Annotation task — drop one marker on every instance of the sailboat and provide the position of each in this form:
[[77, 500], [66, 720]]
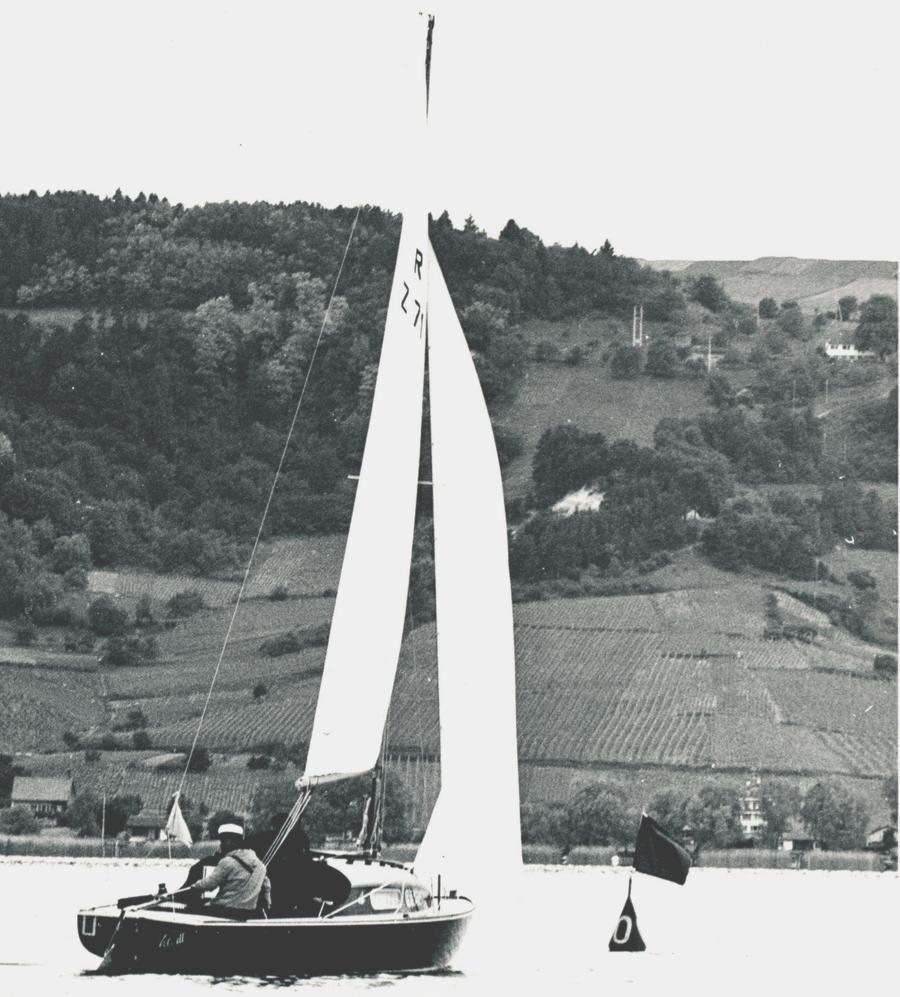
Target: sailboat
[[393, 917]]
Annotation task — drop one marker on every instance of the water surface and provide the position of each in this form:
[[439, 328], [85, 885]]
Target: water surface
[[725, 932]]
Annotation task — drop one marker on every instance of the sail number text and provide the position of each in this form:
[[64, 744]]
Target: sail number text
[[415, 308]]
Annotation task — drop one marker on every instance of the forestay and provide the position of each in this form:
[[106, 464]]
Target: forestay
[[367, 623], [473, 839]]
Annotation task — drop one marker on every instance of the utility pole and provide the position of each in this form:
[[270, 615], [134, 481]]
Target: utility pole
[[637, 326], [103, 829], [708, 353]]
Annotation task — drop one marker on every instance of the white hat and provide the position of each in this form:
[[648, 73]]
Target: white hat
[[234, 829]]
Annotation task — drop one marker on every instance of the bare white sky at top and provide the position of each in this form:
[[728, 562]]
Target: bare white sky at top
[[679, 130]]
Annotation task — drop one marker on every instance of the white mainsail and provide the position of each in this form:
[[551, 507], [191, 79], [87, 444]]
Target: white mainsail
[[473, 839], [367, 625]]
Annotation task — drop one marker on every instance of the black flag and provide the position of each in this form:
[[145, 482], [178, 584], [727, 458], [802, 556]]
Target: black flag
[[656, 854], [626, 937]]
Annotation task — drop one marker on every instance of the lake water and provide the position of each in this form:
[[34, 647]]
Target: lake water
[[725, 932]]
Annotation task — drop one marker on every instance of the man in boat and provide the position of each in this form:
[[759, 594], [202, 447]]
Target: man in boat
[[239, 875]]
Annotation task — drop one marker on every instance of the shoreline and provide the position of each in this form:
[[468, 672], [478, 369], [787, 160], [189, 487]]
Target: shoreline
[[30, 850]]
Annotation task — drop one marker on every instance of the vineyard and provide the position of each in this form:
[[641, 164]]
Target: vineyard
[[674, 681], [302, 566], [38, 705]]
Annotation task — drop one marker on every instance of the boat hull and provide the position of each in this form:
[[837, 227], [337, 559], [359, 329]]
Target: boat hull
[[160, 942]]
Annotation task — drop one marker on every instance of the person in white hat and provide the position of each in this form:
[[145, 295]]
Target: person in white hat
[[239, 876]]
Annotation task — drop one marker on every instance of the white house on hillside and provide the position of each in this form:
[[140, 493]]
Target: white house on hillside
[[846, 351], [584, 500]]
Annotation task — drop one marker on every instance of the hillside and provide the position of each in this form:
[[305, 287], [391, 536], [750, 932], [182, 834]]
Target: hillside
[[813, 283], [679, 682]]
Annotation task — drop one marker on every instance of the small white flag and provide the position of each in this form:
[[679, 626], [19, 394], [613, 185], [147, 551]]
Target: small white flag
[[176, 828]]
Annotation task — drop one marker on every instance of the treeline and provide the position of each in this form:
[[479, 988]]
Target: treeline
[[79, 250], [708, 817], [151, 426]]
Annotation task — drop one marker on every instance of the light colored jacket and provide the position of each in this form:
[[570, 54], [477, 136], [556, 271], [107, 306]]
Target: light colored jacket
[[240, 877]]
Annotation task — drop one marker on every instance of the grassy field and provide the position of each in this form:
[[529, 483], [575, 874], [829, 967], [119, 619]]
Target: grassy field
[[307, 566], [812, 282], [587, 396]]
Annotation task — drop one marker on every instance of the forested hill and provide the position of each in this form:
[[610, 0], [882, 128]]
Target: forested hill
[[814, 284], [76, 249], [151, 354]]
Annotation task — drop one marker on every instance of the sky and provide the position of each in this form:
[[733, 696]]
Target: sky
[[678, 130]]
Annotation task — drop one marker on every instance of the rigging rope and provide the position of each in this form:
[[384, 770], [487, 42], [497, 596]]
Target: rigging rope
[[265, 514]]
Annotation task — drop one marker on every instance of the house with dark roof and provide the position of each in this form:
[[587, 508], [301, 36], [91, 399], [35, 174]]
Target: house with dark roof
[[151, 826], [45, 796]]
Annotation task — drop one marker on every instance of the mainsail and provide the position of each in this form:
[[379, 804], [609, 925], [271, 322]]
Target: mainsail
[[367, 625], [478, 805]]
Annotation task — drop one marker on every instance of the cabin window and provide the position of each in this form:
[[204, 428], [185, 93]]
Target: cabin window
[[417, 898], [387, 898]]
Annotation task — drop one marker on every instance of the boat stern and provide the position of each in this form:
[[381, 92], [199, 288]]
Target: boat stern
[[96, 926]]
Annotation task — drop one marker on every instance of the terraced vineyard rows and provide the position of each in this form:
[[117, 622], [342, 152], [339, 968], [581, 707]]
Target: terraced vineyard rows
[[836, 703], [302, 566], [189, 653], [866, 752], [37, 706], [220, 789], [239, 726], [675, 678]]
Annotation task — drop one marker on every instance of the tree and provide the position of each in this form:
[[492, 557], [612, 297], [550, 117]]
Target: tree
[[625, 362], [781, 802], [598, 815], [200, 759], [719, 391], [543, 823], [25, 630], [18, 820], [7, 460], [565, 458], [270, 805], [768, 308], [141, 741], [889, 790], [105, 617], [184, 603], [662, 358], [143, 612], [713, 814], [707, 291], [877, 329], [83, 815], [834, 816], [71, 552], [259, 690], [847, 305], [790, 318], [607, 249]]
